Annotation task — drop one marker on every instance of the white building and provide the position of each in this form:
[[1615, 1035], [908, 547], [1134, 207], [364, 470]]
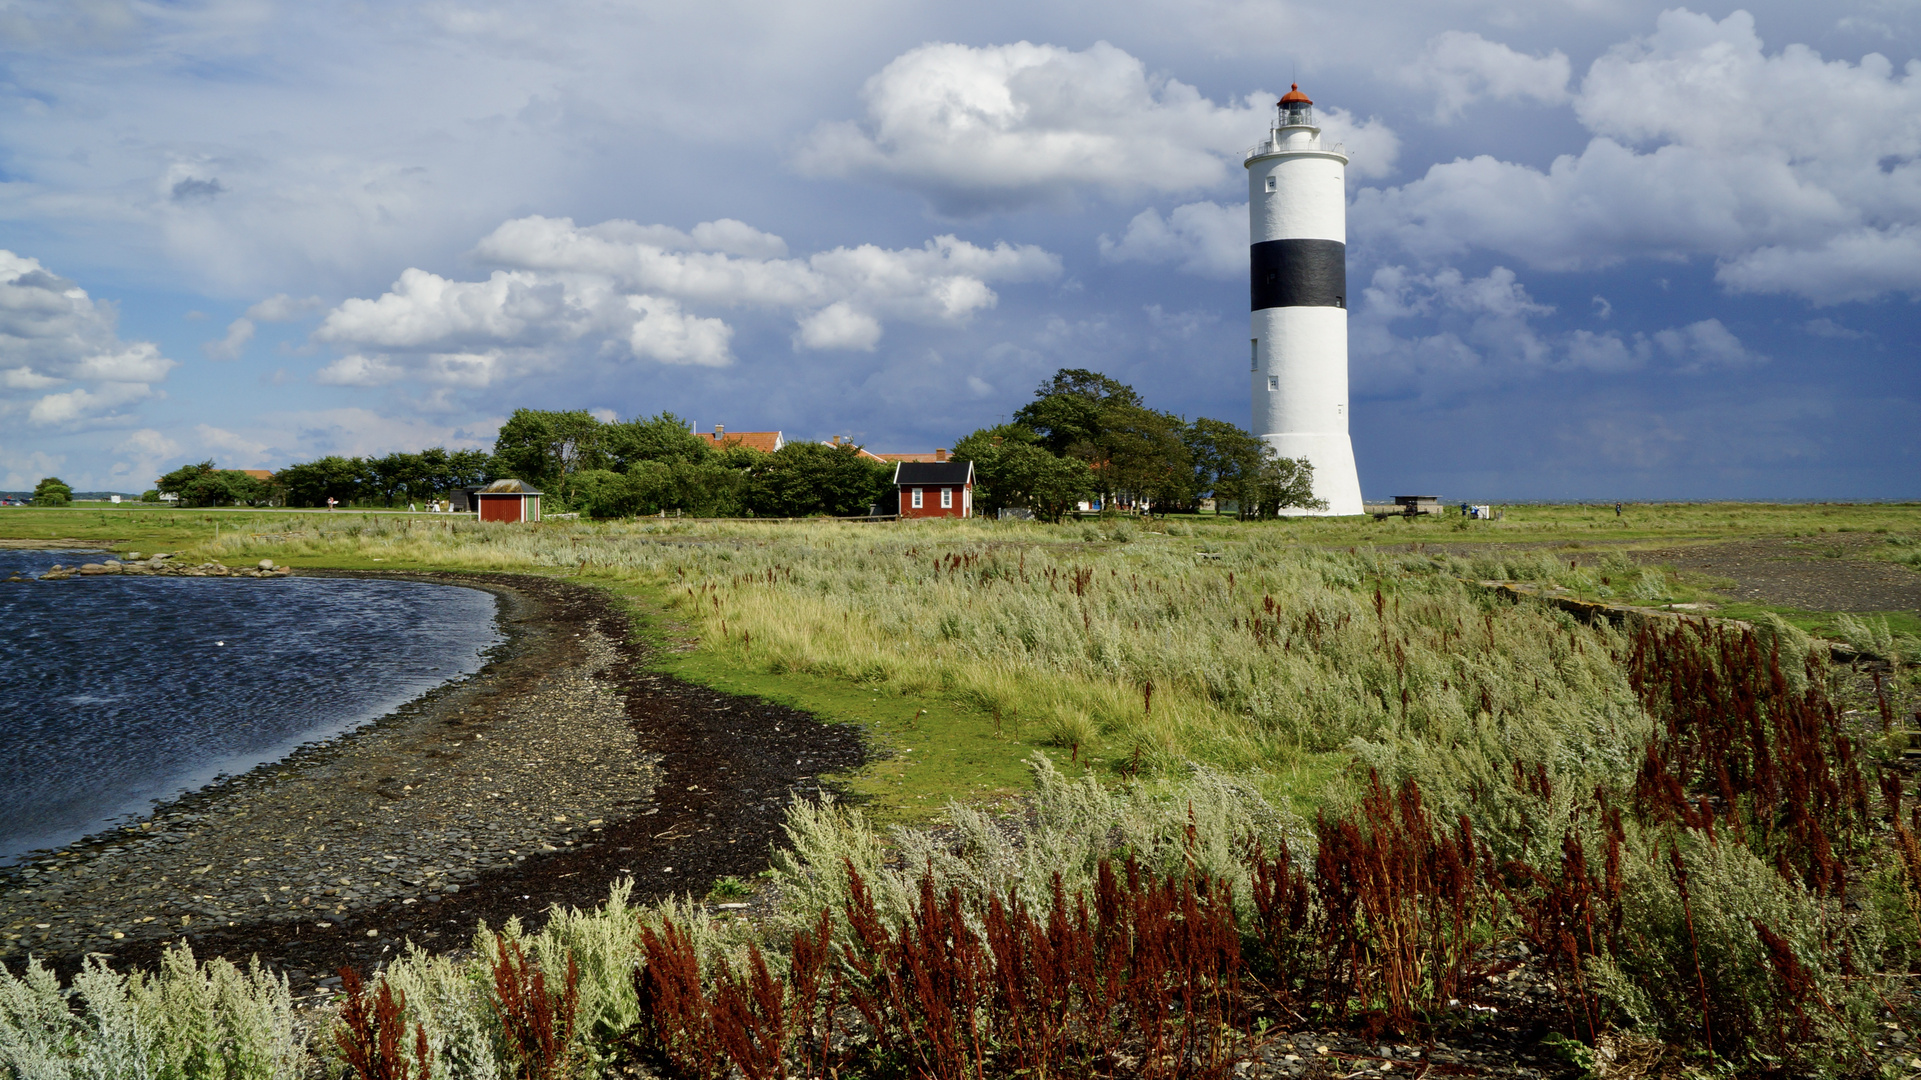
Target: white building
[[1297, 211]]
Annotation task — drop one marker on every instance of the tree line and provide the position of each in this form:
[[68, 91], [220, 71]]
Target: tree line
[[1084, 436]]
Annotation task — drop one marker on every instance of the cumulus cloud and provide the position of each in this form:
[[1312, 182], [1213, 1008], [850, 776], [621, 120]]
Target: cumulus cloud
[[566, 286], [231, 347], [1472, 332], [52, 335], [1002, 126], [284, 308], [838, 326], [1204, 238], [1457, 69], [1692, 156]]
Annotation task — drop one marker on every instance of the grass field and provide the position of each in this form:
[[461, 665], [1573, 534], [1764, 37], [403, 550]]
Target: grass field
[[1678, 823], [1282, 651]]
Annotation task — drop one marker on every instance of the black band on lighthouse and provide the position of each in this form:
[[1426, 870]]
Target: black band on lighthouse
[[1299, 273]]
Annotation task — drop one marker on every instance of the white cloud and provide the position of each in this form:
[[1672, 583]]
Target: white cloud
[[1705, 346], [1205, 238], [1002, 126], [53, 334], [1827, 328], [1797, 175], [143, 455], [231, 347], [1860, 264], [663, 332], [838, 326], [1458, 69], [1476, 332], [567, 286], [82, 403], [357, 369], [238, 451], [284, 308], [20, 470]]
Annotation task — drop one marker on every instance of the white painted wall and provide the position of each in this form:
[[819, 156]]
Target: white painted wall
[[1300, 353]]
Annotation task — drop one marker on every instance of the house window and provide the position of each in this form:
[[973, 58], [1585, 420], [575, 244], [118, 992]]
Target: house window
[[1254, 355], [947, 498], [917, 498], [1273, 382]]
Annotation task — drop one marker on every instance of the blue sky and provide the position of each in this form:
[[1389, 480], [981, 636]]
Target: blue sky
[[1600, 251]]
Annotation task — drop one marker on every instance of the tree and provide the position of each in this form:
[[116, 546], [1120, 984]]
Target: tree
[[313, 483], [1070, 411], [1224, 461], [663, 438], [204, 485], [603, 493], [467, 468], [806, 478], [1281, 484], [546, 448], [1133, 451], [1012, 469], [52, 491], [709, 489]]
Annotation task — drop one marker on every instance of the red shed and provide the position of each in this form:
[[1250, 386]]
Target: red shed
[[507, 500], [935, 488]]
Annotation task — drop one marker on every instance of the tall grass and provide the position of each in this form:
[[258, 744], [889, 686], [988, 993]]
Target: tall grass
[[1240, 648]]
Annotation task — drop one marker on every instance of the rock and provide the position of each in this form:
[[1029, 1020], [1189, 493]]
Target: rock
[[266, 564], [94, 568], [133, 556]]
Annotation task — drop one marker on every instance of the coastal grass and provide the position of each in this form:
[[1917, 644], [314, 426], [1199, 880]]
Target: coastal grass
[[1285, 651], [1178, 692]]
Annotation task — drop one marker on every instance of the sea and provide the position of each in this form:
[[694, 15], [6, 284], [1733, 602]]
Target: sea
[[117, 693]]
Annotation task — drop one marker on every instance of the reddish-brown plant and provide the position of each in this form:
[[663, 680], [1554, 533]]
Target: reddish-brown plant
[[538, 1021], [372, 1036]]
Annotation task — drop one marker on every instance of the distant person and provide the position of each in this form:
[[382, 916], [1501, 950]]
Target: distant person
[[1617, 509], [330, 503]]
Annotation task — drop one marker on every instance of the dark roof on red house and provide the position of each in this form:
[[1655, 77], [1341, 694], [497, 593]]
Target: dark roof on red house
[[933, 473]]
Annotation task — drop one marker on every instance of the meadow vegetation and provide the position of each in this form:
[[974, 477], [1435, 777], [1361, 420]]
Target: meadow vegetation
[[1274, 771]]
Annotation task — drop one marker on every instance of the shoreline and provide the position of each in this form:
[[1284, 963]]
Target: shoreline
[[529, 783]]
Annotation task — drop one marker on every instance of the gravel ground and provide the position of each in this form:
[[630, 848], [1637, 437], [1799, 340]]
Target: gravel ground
[[557, 769], [1813, 574]]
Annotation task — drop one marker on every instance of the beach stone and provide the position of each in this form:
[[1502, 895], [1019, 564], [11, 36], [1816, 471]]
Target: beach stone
[[266, 564]]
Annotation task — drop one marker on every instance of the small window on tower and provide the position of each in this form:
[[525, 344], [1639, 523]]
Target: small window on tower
[[1254, 361], [1273, 382], [1273, 183]]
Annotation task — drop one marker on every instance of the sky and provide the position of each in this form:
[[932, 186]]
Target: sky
[[1598, 250]]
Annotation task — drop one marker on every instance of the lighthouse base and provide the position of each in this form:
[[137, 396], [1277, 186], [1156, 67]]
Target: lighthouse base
[[1335, 478]]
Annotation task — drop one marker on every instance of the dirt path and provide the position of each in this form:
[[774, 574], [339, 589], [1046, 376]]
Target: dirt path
[[561, 767], [1813, 574]]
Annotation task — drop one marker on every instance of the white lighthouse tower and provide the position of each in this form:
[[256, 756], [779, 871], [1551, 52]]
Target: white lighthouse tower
[[1297, 210]]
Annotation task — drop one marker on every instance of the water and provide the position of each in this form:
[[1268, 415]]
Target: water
[[119, 692]]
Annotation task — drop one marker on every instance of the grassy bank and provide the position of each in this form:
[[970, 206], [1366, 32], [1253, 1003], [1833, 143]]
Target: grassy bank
[[1682, 826], [1283, 651]]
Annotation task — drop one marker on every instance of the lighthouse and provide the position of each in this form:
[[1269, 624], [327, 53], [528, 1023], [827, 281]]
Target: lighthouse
[[1297, 217]]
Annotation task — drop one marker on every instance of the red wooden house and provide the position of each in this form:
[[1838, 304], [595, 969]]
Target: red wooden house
[[935, 488], [507, 500]]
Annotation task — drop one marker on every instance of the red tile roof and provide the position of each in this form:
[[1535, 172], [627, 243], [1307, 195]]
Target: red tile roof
[[765, 441]]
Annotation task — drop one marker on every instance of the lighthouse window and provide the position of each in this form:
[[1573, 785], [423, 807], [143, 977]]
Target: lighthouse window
[[1273, 382], [1273, 183], [1254, 361]]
